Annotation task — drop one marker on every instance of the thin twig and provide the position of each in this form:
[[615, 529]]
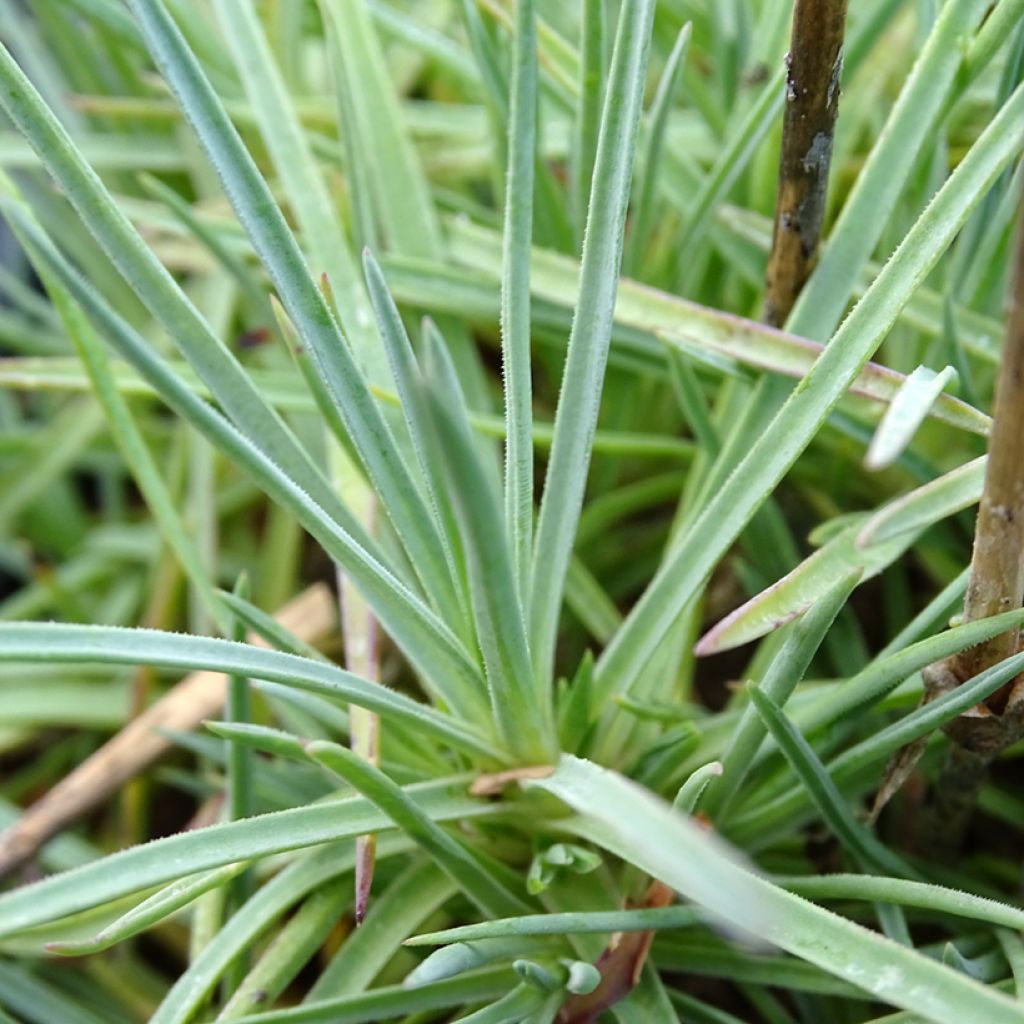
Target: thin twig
[[814, 66], [996, 585], [362, 656], [310, 616], [997, 564]]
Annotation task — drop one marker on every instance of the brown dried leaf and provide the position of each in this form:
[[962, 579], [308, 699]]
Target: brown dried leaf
[[621, 965]]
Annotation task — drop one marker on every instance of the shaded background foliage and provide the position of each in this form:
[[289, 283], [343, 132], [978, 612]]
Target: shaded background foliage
[[393, 126]]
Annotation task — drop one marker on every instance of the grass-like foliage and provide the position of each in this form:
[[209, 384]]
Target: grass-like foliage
[[639, 689]]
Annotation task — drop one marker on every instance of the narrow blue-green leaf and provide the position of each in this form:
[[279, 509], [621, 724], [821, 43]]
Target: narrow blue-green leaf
[[407, 376], [942, 497], [150, 911], [402, 197], [927, 717], [882, 744], [57, 373], [459, 957], [905, 893], [424, 638], [488, 61], [590, 603], [101, 151], [41, 63], [802, 588], [263, 738], [228, 258], [831, 804], [268, 627], [289, 147], [786, 670], [56, 643], [426, 40], [164, 860], [766, 349], [587, 121], [395, 1000], [483, 887], [640, 828], [992, 36], [691, 401], [238, 709], [157, 289], [131, 443], [930, 617], [401, 499], [317, 393], [515, 1007], [654, 141], [885, 673], [379, 140], [579, 400], [269, 904], [644, 316], [515, 295], [570, 923], [691, 791], [415, 894], [290, 950], [520, 706], [25, 299], [731, 160], [1013, 949]]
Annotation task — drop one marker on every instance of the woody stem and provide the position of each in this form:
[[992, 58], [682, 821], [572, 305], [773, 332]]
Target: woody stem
[[814, 64]]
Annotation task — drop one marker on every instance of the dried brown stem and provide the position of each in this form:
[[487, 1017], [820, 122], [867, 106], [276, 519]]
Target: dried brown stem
[[996, 585], [362, 657], [997, 565], [310, 616], [815, 64]]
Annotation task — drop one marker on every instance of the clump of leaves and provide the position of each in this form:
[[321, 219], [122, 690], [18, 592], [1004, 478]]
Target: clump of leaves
[[505, 455]]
